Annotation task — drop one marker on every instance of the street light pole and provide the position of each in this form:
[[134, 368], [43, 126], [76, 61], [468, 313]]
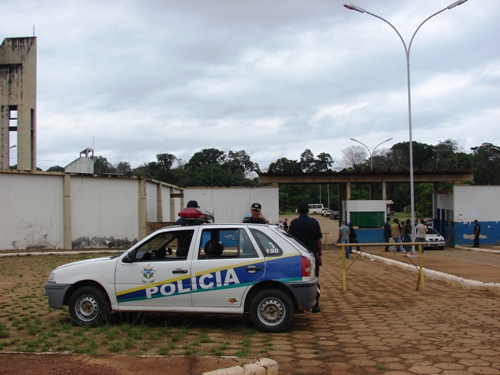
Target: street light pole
[[371, 152], [407, 54]]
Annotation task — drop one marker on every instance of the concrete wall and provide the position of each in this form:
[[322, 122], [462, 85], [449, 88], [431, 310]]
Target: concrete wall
[[62, 211], [31, 211], [104, 211], [480, 203], [231, 205], [66, 211]]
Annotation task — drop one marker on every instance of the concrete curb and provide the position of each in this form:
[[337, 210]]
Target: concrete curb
[[264, 366], [451, 279], [477, 249]]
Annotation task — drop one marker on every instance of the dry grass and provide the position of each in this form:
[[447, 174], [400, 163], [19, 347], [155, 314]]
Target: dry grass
[[28, 324]]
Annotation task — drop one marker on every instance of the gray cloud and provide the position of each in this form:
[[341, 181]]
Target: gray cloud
[[138, 78]]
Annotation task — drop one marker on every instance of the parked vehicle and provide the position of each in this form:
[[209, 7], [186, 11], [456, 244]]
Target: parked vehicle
[[334, 215], [326, 213], [315, 208], [434, 240], [251, 269]]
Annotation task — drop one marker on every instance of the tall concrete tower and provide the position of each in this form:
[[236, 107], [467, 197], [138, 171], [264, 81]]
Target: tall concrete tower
[[18, 101]]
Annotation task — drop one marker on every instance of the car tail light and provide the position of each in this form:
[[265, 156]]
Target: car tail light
[[306, 267]]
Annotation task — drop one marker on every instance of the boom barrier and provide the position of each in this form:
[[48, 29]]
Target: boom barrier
[[420, 267]]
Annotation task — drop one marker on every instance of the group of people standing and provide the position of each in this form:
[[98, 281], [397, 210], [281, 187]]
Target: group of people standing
[[347, 234], [402, 232]]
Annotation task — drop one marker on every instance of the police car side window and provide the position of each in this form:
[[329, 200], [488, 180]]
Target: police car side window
[[226, 243], [247, 250], [165, 246], [268, 247]]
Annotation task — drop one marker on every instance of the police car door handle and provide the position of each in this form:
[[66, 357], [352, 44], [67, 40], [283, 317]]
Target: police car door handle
[[253, 269], [178, 270]]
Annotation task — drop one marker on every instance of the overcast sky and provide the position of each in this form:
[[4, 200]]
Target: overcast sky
[[134, 78]]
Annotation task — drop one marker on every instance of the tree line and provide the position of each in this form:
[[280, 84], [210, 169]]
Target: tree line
[[213, 167]]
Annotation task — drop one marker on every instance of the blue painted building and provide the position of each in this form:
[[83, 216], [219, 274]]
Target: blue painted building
[[455, 214]]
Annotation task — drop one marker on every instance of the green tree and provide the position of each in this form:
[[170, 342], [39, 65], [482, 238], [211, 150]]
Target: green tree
[[486, 163], [423, 199], [103, 166], [56, 168], [239, 163], [284, 165], [201, 160], [124, 168], [307, 161], [323, 162]]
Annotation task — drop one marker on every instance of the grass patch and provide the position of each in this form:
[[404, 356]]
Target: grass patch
[[27, 324]]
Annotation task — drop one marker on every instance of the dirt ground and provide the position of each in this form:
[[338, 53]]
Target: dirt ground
[[65, 364], [450, 260]]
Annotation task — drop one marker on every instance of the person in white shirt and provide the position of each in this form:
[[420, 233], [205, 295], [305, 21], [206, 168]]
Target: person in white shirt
[[421, 232]]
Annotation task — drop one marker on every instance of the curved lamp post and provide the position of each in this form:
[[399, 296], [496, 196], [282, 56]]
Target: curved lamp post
[[370, 152], [407, 53]]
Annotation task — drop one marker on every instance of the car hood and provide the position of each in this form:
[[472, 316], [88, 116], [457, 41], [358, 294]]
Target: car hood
[[433, 237], [80, 263]]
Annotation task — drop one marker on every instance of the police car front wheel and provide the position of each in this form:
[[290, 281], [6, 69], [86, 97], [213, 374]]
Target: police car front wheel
[[271, 310], [89, 306]]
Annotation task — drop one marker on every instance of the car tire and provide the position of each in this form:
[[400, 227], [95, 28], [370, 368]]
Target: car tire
[[89, 306], [271, 310]]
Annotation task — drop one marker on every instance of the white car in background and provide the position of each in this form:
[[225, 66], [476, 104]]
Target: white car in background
[[434, 240]]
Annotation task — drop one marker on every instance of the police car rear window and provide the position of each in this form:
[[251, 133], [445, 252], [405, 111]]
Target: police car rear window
[[268, 247], [226, 243]]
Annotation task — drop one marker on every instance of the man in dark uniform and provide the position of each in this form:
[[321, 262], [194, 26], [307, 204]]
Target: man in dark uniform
[[257, 216], [307, 230], [477, 232], [387, 231]]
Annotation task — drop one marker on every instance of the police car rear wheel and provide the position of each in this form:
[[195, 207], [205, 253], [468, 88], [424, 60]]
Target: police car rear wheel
[[89, 306], [271, 311]]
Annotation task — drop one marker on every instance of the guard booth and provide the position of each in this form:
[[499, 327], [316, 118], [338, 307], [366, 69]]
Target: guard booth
[[368, 216]]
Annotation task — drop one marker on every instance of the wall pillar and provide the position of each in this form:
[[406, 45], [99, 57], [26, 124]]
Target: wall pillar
[[142, 209], [67, 240], [159, 203]]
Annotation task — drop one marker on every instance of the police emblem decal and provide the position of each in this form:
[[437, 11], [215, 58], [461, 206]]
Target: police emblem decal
[[148, 274]]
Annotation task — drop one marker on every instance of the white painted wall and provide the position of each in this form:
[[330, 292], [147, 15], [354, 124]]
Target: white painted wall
[[477, 202], [104, 208], [31, 212], [230, 205], [366, 206], [104, 211], [151, 201]]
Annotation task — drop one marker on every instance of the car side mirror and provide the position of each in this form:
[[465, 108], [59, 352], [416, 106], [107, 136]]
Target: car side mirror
[[129, 257]]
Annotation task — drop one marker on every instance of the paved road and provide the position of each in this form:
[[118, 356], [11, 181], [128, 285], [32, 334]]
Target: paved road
[[383, 325]]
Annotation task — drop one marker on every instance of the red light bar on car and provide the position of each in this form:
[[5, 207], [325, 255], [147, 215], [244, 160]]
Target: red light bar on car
[[193, 213]]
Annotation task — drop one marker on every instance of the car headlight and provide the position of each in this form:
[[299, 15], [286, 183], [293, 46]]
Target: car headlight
[[52, 278]]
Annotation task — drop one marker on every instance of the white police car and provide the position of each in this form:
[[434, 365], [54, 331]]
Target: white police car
[[212, 268]]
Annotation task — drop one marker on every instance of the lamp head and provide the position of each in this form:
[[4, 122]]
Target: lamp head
[[358, 9], [455, 4]]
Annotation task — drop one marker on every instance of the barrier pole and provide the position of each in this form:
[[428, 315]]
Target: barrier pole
[[421, 264], [326, 241], [344, 286]]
